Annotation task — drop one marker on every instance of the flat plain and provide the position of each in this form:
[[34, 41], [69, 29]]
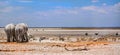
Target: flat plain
[[59, 41]]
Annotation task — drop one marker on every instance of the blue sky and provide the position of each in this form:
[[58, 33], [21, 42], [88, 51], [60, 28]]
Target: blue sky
[[61, 13]]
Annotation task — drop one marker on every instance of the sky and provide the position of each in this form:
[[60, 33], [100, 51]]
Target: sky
[[61, 13]]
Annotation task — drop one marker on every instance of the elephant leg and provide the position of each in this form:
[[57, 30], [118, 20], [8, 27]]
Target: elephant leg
[[12, 36], [8, 38], [22, 37], [19, 39], [11, 39], [17, 36], [14, 39], [26, 37]]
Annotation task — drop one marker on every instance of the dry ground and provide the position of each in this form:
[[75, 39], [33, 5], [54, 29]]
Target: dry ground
[[68, 48], [110, 47]]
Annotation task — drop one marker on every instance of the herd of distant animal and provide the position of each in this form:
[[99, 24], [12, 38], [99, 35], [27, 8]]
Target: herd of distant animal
[[17, 33]]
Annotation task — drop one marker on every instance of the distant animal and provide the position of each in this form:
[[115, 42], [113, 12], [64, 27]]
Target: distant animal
[[21, 32], [10, 32]]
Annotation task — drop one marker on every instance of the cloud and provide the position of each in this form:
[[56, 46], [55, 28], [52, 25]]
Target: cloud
[[4, 3], [94, 1], [104, 4], [95, 9], [117, 5], [115, 8], [5, 6], [57, 12], [6, 9], [105, 9], [79, 16], [9, 9], [62, 16], [61, 11], [25, 1]]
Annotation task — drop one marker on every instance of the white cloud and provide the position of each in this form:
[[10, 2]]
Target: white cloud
[[57, 12], [117, 5], [78, 11], [91, 11], [25, 1], [94, 1], [6, 9], [4, 3], [104, 4], [94, 9], [5, 6], [114, 9], [61, 13], [89, 8], [10, 9]]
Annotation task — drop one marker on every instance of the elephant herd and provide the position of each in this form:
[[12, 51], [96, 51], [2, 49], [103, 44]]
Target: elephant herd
[[16, 33]]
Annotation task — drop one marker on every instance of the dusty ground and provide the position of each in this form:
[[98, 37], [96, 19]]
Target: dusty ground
[[109, 45], [76, 48]]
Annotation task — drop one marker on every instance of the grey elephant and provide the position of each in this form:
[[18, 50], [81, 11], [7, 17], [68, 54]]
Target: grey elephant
[[10, 32], [21, 32]]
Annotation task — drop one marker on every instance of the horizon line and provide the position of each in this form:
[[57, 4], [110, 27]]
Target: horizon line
[[75, 27]]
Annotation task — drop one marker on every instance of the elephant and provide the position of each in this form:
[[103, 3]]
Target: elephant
[[21, 32], [10, 32]]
